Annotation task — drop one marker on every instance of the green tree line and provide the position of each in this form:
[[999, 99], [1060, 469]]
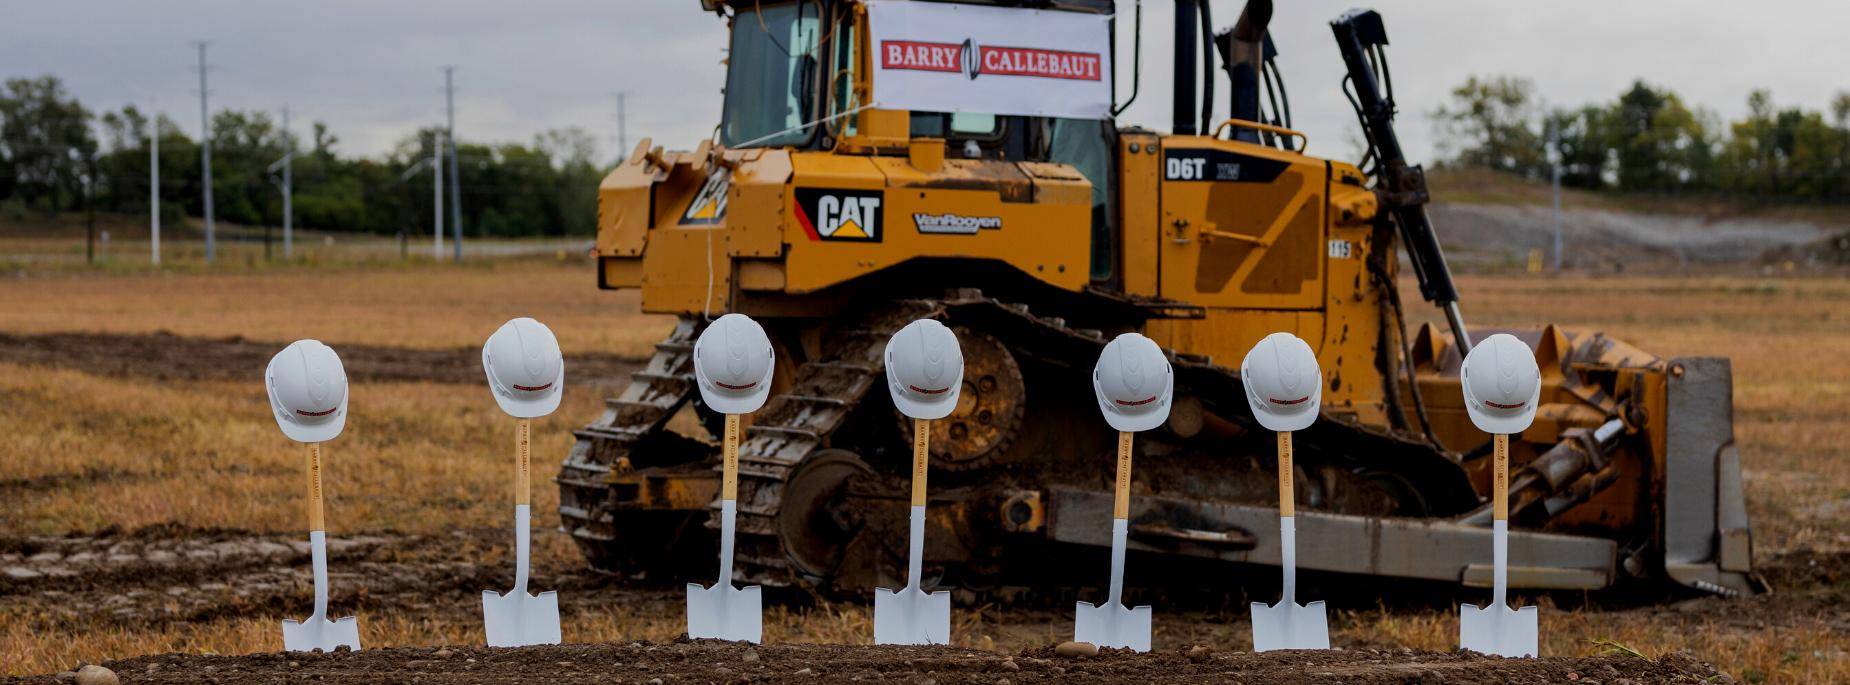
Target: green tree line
[[56, 155], [1649, 139]]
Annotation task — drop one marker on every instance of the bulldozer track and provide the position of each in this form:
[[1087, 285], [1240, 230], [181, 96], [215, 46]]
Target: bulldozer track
[[826, 390]]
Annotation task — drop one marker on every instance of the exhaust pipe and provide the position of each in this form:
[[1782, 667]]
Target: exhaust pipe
[[1242, 53], [1185, 114]]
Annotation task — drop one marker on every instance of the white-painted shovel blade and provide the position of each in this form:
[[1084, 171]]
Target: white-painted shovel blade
[[1498, 630], [518, 619], [1112, 625], [723, 612], [319, 633], [912, 617], [1286, 625]]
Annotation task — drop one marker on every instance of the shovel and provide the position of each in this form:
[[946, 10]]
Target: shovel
[[1287, 624], [722, 611], [912, 616], [1498, 629], [517, 619], [317, 632], [1115, 625]]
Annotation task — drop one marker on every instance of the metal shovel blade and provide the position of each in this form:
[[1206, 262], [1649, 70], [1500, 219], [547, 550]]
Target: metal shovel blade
[[1289, 625], [1112, 625], [317, 632], [1498, 630], [725, 612], [518, 619], [912, 617]]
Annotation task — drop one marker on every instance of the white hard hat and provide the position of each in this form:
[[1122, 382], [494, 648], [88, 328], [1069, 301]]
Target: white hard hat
[[732, 362], [1284, 385], [1134, 383], [1501, 384], [924, 369], [526, 371], [308, 391]]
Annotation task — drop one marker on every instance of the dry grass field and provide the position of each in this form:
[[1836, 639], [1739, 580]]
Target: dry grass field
[[137, 466]]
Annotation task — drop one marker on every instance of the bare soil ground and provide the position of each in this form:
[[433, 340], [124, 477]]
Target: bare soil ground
[[703, 661]]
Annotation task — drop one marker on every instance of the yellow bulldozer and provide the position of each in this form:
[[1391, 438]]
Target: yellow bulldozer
[[835, 217]]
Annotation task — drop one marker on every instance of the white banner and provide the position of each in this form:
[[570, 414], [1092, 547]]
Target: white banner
[[942, 57]]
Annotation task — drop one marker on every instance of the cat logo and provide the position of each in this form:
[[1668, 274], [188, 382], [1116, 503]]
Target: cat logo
[[831, 214], [709, 205]]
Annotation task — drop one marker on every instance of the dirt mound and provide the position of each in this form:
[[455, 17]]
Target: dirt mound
[[165, 356], [703, 661]]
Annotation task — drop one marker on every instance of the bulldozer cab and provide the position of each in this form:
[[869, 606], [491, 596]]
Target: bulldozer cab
[[798, 78]]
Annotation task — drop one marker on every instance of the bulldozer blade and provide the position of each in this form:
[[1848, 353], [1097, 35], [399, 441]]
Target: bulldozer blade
[[1498, 629], [912, 616], [518, 619], [1287, 624], [1113, 624], [722, 611], [317, 632]]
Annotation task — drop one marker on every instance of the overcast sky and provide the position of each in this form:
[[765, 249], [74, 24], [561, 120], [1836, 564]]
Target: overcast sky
[[370, 70]]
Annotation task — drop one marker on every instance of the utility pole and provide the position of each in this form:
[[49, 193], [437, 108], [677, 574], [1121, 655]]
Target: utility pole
[[205, 155], [1554, 162], [288, 189], [154, 187], [436, 185], [623, 140], [449, 136]]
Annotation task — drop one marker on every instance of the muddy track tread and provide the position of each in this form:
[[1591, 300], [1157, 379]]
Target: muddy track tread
[[655, 392]]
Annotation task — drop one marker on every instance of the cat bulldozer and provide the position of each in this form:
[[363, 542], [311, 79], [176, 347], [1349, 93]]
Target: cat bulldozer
[[835, 222]]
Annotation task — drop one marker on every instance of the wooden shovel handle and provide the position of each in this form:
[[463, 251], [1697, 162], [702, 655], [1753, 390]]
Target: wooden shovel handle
[[1287, 496], [729, 480], [523, 459], [1121, 506], [921, 459], [1501, 487], [316, 519]]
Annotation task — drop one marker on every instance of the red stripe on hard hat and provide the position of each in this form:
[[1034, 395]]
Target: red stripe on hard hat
[[736, 387], [1300, 400], [1505, 406], [317, 413], [535, 388], [929, 392], [1143, 401]]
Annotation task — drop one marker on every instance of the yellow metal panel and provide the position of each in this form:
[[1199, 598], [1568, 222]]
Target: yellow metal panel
[[1225, 335], [760, 274], [673, 280], [1140, 169], [623, 210], [755, 205], [1047, 240], [1237, 236], [1350, 342], [622, 272]]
